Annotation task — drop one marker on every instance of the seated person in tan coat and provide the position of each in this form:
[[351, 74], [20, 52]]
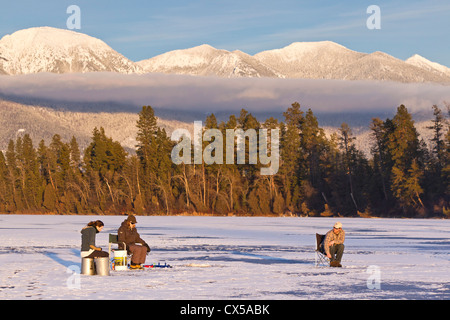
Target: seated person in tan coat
[[334, 244]]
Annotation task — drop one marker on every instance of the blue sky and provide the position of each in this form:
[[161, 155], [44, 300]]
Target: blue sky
[[141, 29]]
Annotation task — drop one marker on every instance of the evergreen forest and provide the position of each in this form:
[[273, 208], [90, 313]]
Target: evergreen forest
[[318, 175]]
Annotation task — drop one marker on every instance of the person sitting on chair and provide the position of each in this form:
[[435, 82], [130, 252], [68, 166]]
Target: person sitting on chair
[[88, 233], [334, 244], [128, 234]]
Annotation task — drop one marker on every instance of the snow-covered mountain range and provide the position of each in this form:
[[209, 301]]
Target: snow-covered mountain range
[[205, 60], [300, 60], [46, 49], [54, 50]]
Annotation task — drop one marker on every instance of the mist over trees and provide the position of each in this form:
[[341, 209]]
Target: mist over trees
[[317, 176]]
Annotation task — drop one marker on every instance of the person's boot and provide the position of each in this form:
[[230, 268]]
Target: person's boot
[[136, 267], [334, 264]]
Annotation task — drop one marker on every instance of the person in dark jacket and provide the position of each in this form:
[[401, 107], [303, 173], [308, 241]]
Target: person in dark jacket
[[137, 247], [88, 247]]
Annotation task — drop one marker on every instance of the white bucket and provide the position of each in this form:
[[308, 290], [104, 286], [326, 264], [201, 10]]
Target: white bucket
[[120, 260]]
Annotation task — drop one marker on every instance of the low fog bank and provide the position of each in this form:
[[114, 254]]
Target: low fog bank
[[192, 97]]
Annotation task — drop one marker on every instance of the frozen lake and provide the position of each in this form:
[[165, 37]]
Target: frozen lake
[[229, 258]]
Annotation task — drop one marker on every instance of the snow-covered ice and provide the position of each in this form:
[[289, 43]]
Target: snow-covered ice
[[229, 258]]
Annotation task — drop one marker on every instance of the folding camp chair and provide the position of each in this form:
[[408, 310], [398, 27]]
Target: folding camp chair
[[321, 257], [114, 239]]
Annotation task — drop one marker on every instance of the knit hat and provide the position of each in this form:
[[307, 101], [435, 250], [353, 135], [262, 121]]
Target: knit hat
[[131, 219], [338, 225]]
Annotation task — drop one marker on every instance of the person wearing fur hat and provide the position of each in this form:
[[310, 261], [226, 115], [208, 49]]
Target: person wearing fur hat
[[334, 244], [137, 247], [88, 247]]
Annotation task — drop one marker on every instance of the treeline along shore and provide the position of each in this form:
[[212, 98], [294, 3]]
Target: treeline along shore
[[318, 175]]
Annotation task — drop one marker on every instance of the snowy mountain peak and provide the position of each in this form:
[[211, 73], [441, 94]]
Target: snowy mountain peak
[[204, 47], [316, 45], [47, 49], [416, 57], [316, 60], [52, 37], [421, 62], [297, 49], [206, 60]]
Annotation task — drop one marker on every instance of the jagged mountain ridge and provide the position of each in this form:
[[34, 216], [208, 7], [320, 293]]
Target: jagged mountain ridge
[[329, 60], [47, 49], [205, 60], [300, 60]]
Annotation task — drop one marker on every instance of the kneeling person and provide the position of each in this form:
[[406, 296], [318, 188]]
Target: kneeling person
[[137, 247], [334, 244]]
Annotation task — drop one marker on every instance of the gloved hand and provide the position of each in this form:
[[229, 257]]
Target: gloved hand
[[148, 248]]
